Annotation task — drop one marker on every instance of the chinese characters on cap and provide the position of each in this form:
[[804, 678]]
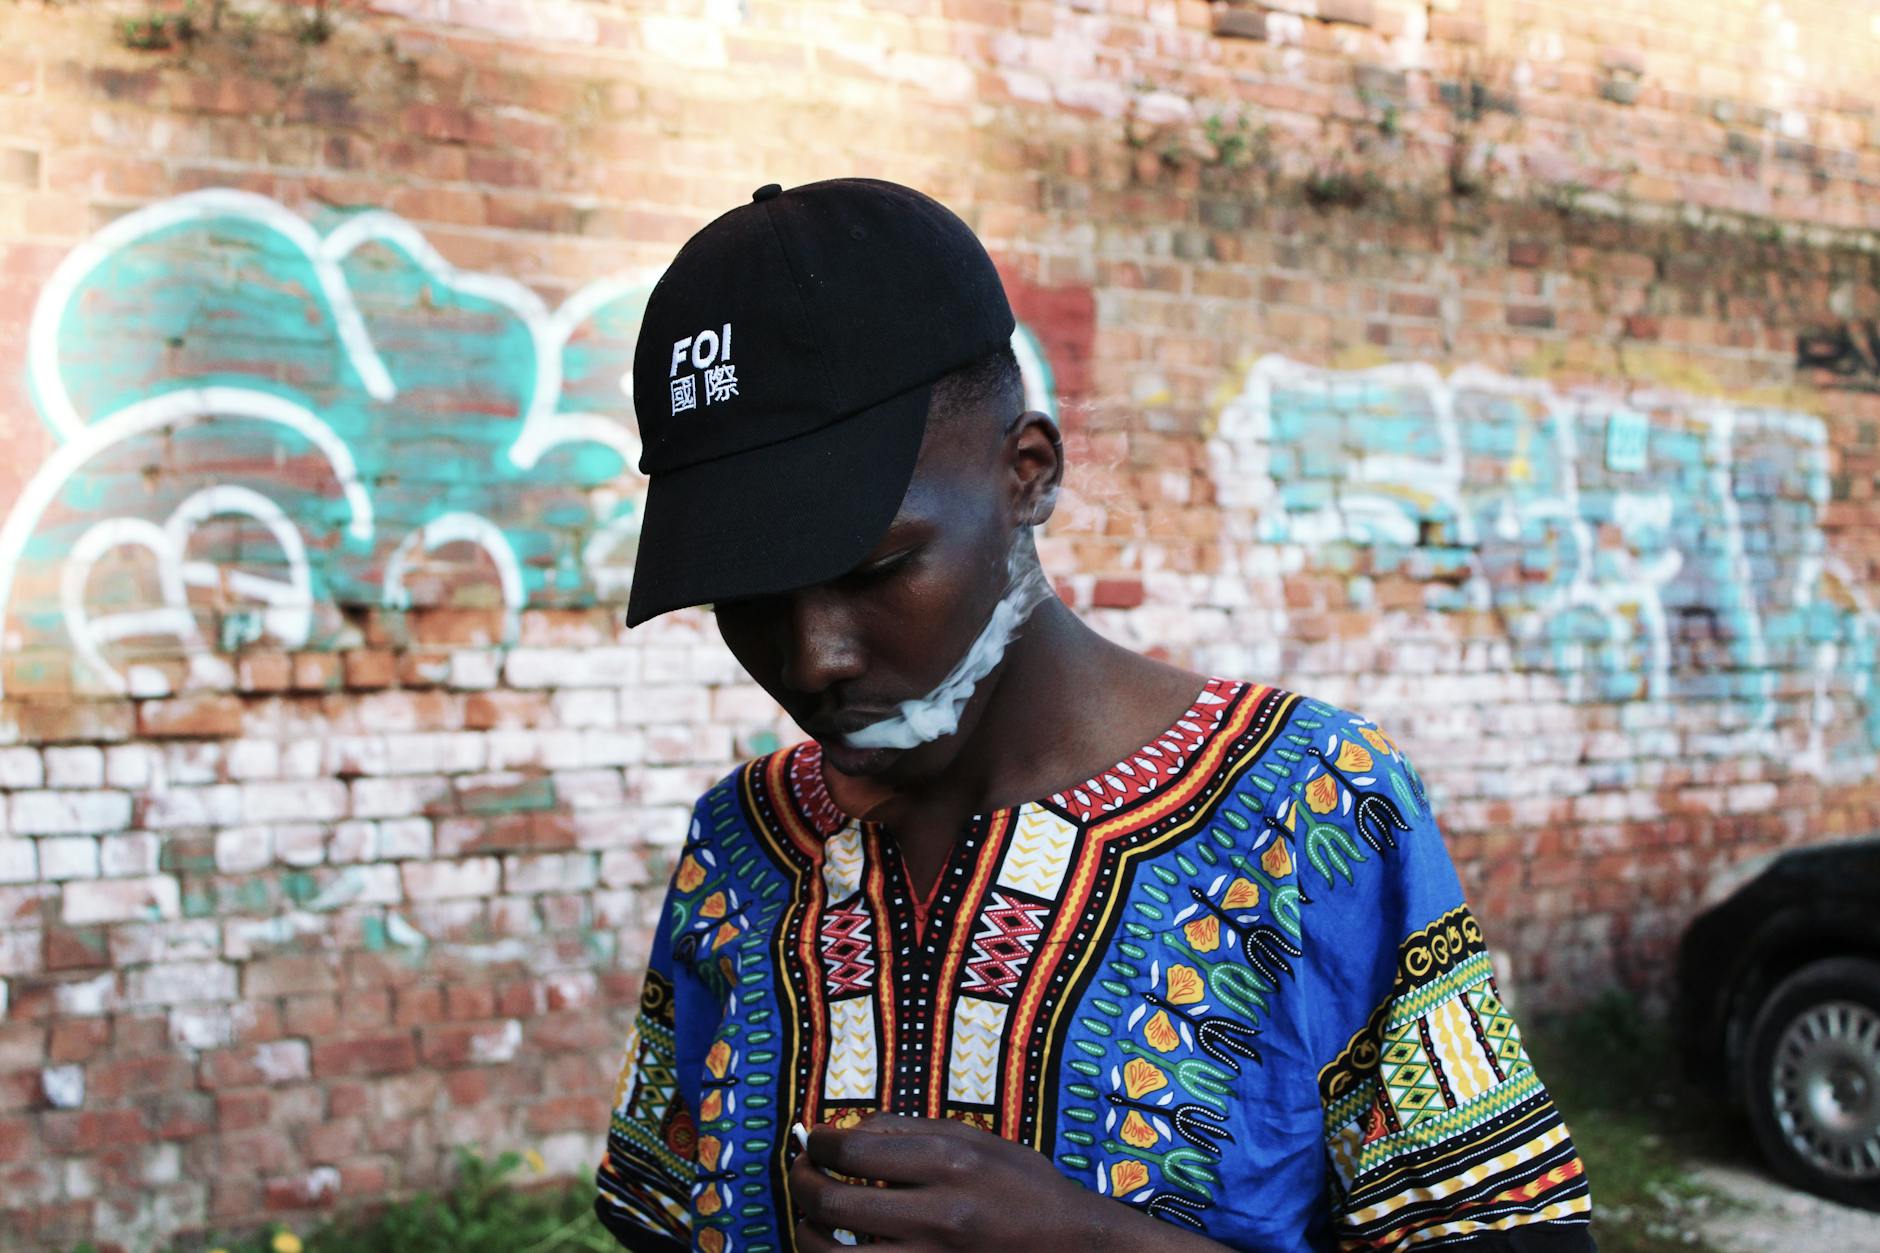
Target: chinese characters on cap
[[707, 353]]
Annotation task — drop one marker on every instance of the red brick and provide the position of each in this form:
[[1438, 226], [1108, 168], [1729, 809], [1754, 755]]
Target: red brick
[[567, 1032], [234, 1198], [370, 668], [572, 1113], [242, 1108], [76, 948], [345, 1099], [364, 1177], [203, 716], [460, 1044], [470, 1086], [1415, 305], [257, 1153], [22, 1089], [112, 1081], [316, 672], [1527, 253], [77, 1039], [370, 1055], [55, 1226], [289, 974], [17, 1138], [76, 721], [414, 1007], [1232, 21], [484, 711], [265, 672], [444, 122], [182, 1115], [311, 1190], [440, 204], [1117, 593], [313, 1015], [88, 1131], [423, 669], [469, 1000]]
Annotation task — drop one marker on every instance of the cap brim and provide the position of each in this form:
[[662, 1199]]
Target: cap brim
[[784, 516]]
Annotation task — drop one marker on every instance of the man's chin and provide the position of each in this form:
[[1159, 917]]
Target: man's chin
[[858, 763]]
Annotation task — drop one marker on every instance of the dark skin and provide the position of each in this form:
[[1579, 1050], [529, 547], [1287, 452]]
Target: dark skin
[[844, 653]]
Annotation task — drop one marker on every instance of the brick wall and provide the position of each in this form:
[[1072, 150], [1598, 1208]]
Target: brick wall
[[1502, 369]]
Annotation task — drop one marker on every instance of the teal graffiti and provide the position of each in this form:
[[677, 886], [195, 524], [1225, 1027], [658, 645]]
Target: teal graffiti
[[1637, 547], [263, 420]]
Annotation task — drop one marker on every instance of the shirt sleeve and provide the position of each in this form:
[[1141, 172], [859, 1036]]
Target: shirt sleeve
[[647, 1174], [1439, 1131]]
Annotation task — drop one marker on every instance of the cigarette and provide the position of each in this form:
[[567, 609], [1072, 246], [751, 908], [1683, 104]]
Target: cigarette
[[800, 1134]]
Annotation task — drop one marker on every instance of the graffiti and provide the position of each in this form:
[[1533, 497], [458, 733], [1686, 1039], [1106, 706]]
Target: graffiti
[[1849, 353], [260, 422], [1648, 547]]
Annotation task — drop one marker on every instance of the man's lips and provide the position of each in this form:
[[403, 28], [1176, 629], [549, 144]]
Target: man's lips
[[837, 727]]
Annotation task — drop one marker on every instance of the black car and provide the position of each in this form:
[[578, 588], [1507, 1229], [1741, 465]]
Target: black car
[[1779, 1006]]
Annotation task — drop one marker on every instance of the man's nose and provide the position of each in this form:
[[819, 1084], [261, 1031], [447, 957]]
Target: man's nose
[[820, 649]]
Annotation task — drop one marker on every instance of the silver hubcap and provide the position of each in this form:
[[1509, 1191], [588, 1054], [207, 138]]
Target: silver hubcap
[[1826, 1084]]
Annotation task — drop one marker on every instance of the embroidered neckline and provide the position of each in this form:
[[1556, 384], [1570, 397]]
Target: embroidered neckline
[[1124, 782], [1153, 764]]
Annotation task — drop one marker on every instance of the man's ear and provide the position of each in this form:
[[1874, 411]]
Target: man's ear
[[1034, 454]]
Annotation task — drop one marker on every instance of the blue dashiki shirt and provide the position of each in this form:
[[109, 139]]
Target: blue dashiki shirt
[[1230, 981]]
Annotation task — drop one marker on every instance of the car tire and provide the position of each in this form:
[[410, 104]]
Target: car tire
[[1812, 1079]]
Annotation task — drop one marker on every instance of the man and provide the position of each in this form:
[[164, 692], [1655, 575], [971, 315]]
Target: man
[[1051, 945]]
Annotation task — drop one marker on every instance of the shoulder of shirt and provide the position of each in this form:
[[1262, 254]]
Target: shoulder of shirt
[[1314, 718], [731, 784], [727, 787]]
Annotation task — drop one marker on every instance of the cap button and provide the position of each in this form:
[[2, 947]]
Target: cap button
[[766, 192]]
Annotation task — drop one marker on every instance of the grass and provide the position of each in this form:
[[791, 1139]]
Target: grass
[[488, 1209], [1612, 1073], [1614, 1076]]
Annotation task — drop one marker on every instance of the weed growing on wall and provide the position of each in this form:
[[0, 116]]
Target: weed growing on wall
[[489, 1208]]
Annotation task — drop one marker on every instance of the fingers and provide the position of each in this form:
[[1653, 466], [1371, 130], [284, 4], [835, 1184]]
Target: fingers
[[828, 1204], [902, 1150]]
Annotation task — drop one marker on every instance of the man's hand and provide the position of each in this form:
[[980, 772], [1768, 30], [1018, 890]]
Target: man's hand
[[955, 1187]]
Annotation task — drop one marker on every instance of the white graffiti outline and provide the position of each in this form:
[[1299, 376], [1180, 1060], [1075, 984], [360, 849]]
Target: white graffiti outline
[[1035, 368], [181, 407], [1639, 586], [48, 383], [545, 429], [289, 615], [455, 528], [1864, 620], [1240, 455], [89, 635], [288, 612], [542, 426]]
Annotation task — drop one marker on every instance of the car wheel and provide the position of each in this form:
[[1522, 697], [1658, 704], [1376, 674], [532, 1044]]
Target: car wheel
[[1813, 1079]]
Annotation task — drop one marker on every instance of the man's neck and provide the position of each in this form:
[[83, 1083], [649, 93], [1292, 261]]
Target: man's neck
[[1065, 704]]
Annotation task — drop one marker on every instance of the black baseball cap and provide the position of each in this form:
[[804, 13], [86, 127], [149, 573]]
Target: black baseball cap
[[781, 381]]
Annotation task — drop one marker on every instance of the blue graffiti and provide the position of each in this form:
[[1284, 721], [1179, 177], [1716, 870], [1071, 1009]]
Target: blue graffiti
[[1651, 546], [264, 421]]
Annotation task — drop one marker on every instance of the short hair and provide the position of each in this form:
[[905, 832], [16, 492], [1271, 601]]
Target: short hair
[[990, 386]]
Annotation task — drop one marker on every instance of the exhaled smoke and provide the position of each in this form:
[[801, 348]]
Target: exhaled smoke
[[938, 713]]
